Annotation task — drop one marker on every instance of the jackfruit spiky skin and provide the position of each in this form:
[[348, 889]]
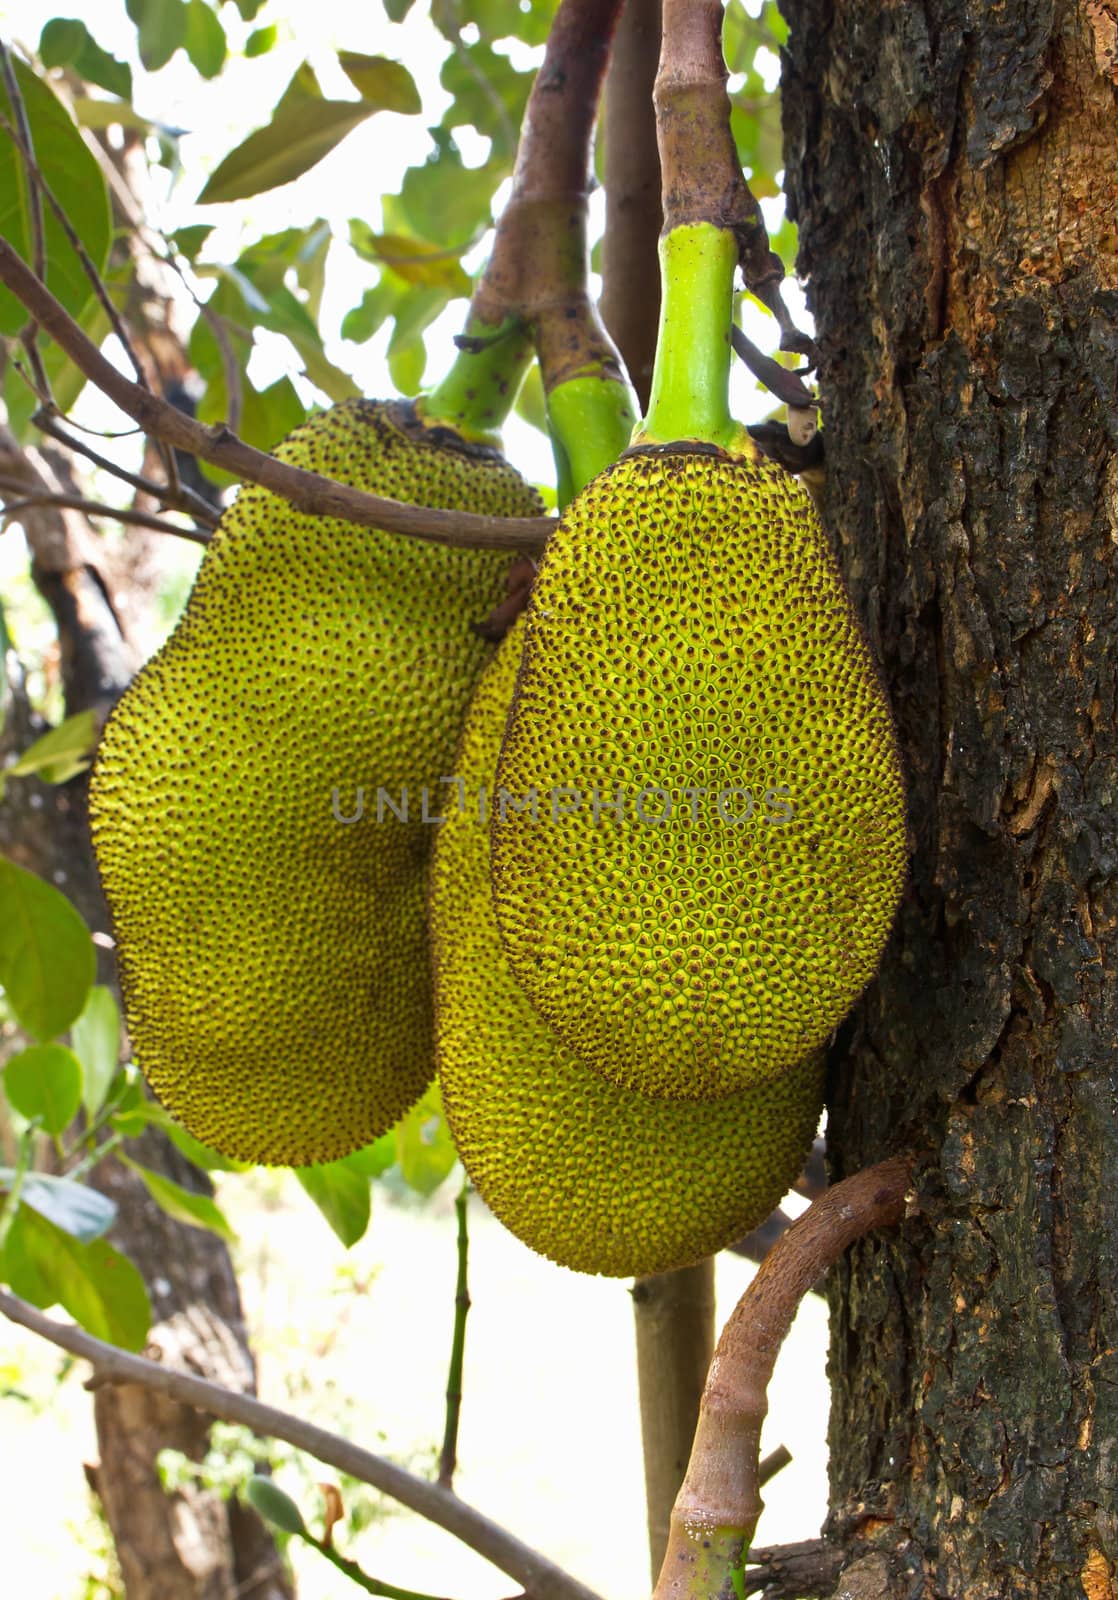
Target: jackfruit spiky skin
[[274, 960], [690, 631], [596, 1177]]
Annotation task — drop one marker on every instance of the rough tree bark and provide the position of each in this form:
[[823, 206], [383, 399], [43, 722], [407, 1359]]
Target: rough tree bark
[[191, 1545], [952, 169]]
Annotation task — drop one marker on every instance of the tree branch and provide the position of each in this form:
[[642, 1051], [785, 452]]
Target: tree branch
[[94, 508], [541, 1579], [716, 1511], [307, 491]]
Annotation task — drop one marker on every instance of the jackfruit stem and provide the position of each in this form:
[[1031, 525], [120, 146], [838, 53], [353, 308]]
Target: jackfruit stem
[[691, 374], [477, 394], [590, 419]]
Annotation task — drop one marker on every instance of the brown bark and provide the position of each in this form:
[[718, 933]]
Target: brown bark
[[190, 1545], [952, 172]]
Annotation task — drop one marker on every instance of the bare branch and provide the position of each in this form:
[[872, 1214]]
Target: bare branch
[[181, 499], [716, 1511], [541, 1579], [308, 491], [93, 508]]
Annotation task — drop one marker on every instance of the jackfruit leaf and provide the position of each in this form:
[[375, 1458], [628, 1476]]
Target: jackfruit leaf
[[95, 1037], [47, 959], [160, 27], [341, 1193], [305, 126], [266, 415], [74, 177], [397, 10], [374, 1159], [67, 42], [414, 260], [184, 1205], [204, 39], [281, 312], [249, 9], [445, 200], [407, 354], [99, 1287], [59, 754], [190, 240], [276, 1507], [130, 1108], [77, 1209], [527, 20], [377, 304], [90, 113], [387, 85], [261, 40], [424, 1148], [490, 95], [45, 1081]]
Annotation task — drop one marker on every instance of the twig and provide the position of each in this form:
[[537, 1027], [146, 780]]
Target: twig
[[716, 1511], [540, 1577], [448, 1460], [787, 386], [93, 508], [774, 1462], [795, 1571], [182, 499], [308, 491]]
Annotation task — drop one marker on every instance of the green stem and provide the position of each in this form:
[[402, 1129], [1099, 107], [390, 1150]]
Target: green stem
[[691, 376], [477, 393], [448, 1460], [362, 1579], [95, 1157], [590, 420]]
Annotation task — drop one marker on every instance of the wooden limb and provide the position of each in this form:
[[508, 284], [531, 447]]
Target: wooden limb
[[801, 1571], [673, 1314], [93, 508], [308, 491], [630, 303], [716, 1511], [541, 1579]]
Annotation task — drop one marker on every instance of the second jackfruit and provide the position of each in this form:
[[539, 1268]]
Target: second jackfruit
[[596, 1177]]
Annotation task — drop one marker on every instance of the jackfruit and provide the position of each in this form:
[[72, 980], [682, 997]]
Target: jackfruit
[[273, 949], [698, 842], [595, 1177]]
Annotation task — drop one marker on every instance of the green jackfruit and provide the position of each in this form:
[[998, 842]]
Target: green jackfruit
[[273, 954], [596, 1177], [718, 841]]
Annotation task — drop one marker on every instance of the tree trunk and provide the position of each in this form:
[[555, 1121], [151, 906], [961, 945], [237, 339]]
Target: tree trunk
[[953, 173], [190, 1545]]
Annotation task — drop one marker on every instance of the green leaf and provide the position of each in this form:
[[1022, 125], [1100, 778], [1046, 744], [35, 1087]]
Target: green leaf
[[45, 1081], [414, 260], [490, 94], [99, 1287], [59, 754], [445, 200], [397, 10], [77, 1209], [95, 1037], [373, 1159], [190, 240], [341, 1193], [425, 1149], [386, 85], [200, 1154], [47, 959], [196, 1210], [66, 382], [161, 26], [204, 39], [304, 128], [261, 40], [74, 177], [67, 42], [274, 1505], [377, 304], [249, 9]]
